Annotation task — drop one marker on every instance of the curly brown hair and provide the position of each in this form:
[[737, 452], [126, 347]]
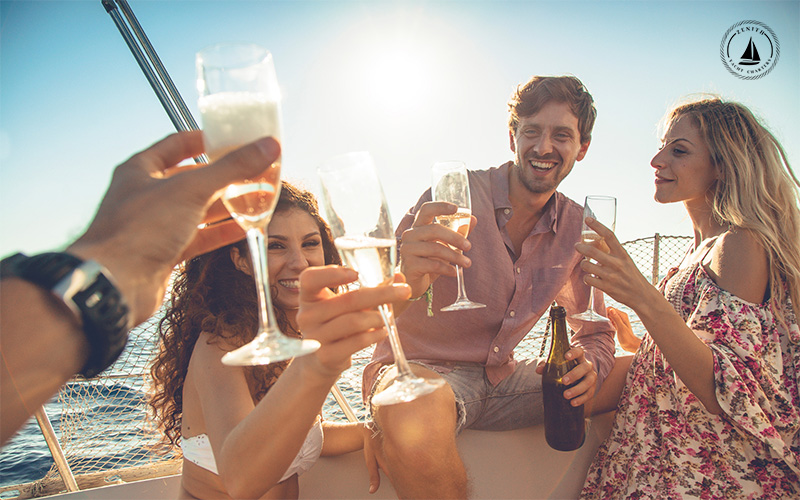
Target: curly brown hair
[[208, 294]]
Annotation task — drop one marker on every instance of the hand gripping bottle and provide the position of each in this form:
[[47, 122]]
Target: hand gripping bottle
[[564, 425]]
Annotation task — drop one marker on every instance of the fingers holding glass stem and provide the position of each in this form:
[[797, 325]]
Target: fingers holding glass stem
[[615, 272], [603, 208], [450, 183]]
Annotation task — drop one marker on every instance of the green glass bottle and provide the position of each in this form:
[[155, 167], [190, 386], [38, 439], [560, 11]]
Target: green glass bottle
[[564, 426]]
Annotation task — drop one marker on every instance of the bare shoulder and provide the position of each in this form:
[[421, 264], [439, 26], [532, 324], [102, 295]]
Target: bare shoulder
[[220, 385], [209, 345], [738, 264], [206, 360], [206, 380]]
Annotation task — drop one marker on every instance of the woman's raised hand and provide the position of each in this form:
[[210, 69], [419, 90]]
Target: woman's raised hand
[[614, 272], [343, 323]]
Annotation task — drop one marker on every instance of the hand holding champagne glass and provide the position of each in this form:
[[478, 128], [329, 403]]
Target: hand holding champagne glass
[[239, 103], [450, 182], [363, 233], [604, 210]]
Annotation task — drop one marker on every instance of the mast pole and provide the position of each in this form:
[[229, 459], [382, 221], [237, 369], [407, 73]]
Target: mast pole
[[170, 98], [158, 66]]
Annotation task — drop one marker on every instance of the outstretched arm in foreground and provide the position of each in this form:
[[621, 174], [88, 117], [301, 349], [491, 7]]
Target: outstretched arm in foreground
[[146, 224]]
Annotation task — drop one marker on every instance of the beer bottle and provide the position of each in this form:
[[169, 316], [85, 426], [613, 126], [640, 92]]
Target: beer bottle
[[563, 423]]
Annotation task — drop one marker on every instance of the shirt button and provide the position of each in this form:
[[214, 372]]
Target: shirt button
[[512, 313], [496, 349], [519, 270], [507, 211]]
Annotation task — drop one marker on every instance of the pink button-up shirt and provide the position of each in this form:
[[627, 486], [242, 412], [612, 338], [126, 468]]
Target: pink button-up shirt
[[517, 289]]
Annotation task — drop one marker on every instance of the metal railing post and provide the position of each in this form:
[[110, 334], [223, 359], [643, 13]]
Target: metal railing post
[[49, 434], [341, 400], [656, 244]]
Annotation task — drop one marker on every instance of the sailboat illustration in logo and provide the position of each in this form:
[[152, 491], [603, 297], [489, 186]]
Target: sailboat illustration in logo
[[753, 63], [750, 56]]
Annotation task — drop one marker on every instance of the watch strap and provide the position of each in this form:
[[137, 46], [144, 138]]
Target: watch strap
[[84, 287]]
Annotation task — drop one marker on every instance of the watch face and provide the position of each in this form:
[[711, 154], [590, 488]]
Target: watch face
[[104, 313]]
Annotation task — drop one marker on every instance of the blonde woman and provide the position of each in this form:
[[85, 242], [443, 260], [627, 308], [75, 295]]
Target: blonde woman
[[710, 407]]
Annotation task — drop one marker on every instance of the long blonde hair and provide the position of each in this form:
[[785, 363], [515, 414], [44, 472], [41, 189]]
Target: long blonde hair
[[757, 189]]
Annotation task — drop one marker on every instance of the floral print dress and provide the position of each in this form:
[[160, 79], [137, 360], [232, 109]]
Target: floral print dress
[[664, 444]]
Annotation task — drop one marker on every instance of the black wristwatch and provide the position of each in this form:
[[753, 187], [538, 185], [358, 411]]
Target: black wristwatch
[[85, 288]]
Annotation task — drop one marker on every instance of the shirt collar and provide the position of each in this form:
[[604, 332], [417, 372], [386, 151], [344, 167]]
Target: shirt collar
[[550, 216], [499, 183]]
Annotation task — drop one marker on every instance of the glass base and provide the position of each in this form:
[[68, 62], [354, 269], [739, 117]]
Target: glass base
[[462, 305], [589, 316], [266, 349], [405, 389]]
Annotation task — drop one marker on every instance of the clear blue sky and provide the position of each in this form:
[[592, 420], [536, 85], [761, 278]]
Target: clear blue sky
[[411, 82]]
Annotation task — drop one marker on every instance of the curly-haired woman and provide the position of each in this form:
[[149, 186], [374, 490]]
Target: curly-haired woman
[[248, 432]]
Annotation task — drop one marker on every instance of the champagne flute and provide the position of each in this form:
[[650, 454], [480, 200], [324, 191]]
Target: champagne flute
[[450, 182], [363, 233], [239, 103], [603, 209]]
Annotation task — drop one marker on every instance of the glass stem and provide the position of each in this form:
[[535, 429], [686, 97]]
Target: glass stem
[[590, 307], [256, 236], [462, 292], [403, 369]]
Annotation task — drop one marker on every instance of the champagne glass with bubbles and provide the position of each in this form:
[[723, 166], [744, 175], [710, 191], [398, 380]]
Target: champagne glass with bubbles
[[239, 103], [603, 209], [363, 233], [450, 182]]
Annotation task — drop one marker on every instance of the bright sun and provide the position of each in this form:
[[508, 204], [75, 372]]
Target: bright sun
[[396, 79], [391, 61]]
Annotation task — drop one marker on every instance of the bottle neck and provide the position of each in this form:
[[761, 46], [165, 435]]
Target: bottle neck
[[559, 340]]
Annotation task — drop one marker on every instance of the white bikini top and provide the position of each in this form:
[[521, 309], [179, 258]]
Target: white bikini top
[[197, 449]]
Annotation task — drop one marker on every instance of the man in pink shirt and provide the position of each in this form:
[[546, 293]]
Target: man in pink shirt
[[519, 258]]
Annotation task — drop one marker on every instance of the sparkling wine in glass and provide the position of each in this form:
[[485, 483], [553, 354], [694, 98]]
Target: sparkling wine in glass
[[603, 209], [450, 182], [363, 233], [239, 103]]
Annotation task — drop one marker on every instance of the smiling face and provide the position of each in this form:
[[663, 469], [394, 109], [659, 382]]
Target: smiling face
[[546, 146], [684, 169], [294, 244]]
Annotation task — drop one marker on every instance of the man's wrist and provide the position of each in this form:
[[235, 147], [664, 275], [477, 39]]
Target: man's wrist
[[88, 291], [52, 318], [428, 296], [423, 295]]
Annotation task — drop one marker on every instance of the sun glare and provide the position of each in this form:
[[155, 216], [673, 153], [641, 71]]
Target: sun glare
[[396, 80], [394, 60]]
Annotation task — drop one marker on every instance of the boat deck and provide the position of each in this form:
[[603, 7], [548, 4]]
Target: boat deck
[[508, 464]]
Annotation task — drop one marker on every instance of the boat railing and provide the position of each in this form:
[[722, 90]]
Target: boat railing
[[98, 430]]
